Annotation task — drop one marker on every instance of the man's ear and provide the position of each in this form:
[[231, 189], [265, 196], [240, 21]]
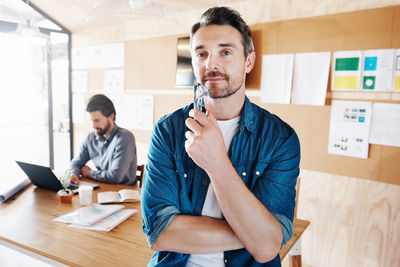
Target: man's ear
[[250, 60]]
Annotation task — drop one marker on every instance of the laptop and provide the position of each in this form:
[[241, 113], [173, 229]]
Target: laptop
[[45, 178]]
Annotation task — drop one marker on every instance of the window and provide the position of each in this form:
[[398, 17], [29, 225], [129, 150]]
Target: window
[[35, 90]]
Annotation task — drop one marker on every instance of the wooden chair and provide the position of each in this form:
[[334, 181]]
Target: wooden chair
[[293, 246], [140, 174]]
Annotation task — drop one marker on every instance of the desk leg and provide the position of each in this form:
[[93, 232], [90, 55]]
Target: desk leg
[[295, 254], [295, 261]]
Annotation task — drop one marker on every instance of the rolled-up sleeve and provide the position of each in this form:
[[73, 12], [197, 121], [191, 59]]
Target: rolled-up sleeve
[[276, 189], [160, 192]]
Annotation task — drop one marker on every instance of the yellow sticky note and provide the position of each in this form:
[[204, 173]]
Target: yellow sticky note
[[397, 83], [346, 82]]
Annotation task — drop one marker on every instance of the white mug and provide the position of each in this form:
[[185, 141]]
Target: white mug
[[85, 194]]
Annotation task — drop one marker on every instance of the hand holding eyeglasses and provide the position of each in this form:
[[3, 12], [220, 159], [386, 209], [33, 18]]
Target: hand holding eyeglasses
[[205, 143], [201, 96]]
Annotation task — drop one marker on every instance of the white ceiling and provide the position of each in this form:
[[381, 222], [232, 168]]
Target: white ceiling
[[73, 14]]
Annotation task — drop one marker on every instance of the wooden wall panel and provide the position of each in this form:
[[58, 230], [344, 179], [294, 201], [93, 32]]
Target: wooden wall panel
[[354, 222], [368, 29], [150, 63]]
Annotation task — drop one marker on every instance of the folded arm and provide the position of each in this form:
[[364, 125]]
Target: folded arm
[[197, 234]]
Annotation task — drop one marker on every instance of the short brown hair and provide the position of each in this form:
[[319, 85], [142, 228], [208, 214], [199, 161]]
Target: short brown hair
[[101, 103], [226, 16]]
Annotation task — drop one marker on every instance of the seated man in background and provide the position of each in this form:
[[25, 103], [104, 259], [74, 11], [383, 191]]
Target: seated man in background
[[111, 148]]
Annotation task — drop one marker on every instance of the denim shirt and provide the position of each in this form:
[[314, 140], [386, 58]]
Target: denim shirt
[[115, 157], [265, 152]]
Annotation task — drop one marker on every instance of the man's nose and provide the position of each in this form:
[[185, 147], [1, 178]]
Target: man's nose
[[212, 63]]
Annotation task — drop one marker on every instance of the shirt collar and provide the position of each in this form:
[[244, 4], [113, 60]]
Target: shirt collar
[[110, 137], [248, 116]]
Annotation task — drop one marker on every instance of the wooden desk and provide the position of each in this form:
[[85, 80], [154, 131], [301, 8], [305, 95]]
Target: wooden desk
[[27, 221]]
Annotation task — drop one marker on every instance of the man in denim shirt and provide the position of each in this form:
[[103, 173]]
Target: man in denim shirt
[[111, 148], [219, 188]]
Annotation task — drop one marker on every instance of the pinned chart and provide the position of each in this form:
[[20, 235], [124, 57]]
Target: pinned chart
[[346, 70], [377, 70], [396, 79], [349, 128]]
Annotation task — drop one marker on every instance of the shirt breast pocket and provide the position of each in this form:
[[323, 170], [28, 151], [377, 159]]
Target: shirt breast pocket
[[250, 172]]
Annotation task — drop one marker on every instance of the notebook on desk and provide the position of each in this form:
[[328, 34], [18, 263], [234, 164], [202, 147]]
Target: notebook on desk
[[45, 178]]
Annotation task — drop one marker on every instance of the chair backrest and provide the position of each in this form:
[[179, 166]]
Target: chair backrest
[[297, 197], [140, 174]]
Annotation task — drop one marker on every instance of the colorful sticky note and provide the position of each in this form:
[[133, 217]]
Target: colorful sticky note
[[397, 83], [398, 63], [350, 63], [346, 82], [369, 82], [370, 63]]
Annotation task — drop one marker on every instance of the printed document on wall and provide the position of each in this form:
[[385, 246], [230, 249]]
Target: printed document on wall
[[349, 128], [78, 108], [396, 78], [310, 78], [385, 128], [276, 78], [114, 81], [377, 70], [79, 81], [117, 100], [137, 112], [98, 57], [346, 70]]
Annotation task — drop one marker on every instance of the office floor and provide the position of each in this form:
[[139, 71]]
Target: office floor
[[11, 256]]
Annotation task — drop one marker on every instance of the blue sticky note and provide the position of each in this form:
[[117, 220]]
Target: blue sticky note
[[370, 63], [361, 119]]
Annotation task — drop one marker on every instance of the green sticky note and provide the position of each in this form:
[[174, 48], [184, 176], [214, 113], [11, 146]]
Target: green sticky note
[[369, 82], [350, 63]]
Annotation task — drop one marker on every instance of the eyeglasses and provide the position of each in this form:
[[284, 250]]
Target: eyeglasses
[[201, 96]]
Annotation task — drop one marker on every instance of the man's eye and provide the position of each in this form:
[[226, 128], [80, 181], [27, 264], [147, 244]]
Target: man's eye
[[227, 53], [201, 54]]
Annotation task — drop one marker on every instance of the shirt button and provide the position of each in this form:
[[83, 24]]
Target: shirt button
[[226, 261], [244, 173], [197, 208], [257, 173], [204, 182], [185, 175]]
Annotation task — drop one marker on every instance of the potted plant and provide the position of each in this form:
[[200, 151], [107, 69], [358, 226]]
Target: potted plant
[[65, 195]]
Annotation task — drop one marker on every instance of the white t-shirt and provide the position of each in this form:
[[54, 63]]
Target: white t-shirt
[[211, 206]]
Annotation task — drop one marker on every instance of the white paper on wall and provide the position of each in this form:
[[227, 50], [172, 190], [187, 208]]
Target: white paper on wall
[[78, 108], [349, 128], [385, 128], [79, 81], [346, 70], [276, 78], [114, 81], [310, 78], [377, 70], [98, 57]]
